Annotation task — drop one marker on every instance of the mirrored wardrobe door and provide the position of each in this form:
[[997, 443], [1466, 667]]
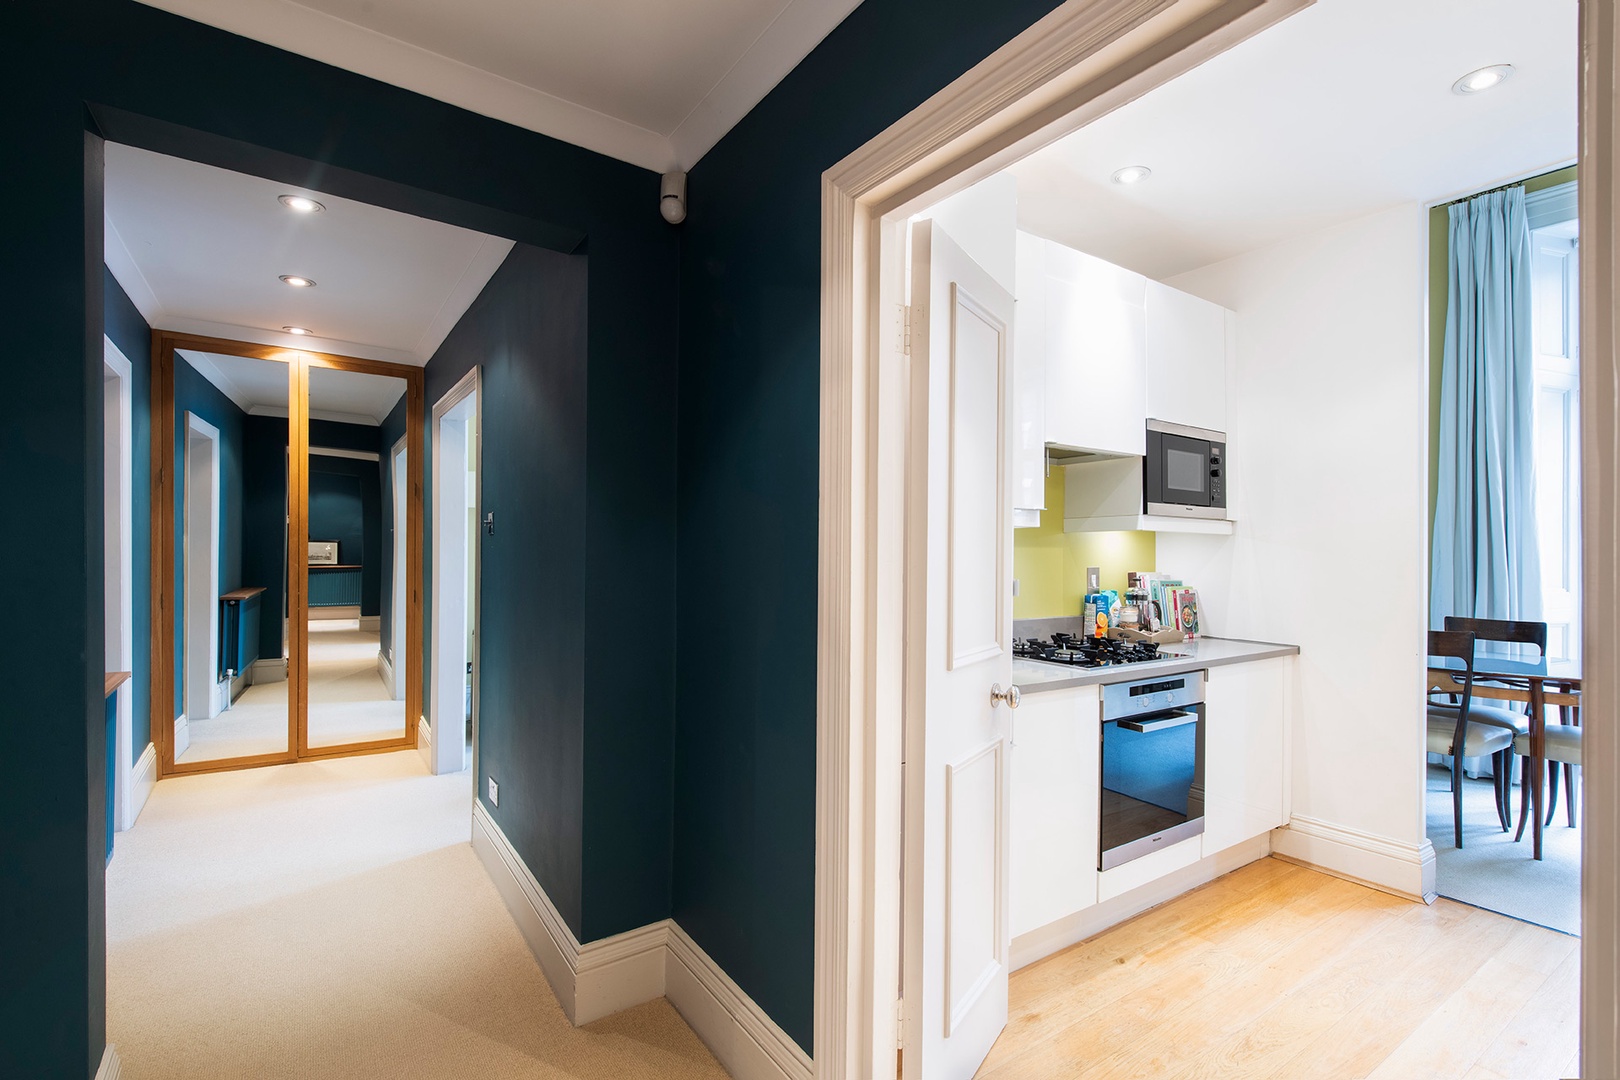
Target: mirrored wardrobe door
[[358, 558], [230, 597]]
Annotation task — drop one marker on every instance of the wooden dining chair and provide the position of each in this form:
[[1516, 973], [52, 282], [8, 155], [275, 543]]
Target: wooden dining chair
[[1562, 747], [1454, 733], [1508, 632]]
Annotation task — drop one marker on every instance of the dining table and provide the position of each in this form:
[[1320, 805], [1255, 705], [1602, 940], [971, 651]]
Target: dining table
[[1539, 685]]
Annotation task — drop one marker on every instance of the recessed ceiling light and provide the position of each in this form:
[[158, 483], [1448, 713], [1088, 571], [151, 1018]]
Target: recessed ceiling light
[[295, 330], [297, 282], [303, 204], [1482, 79], [1132, 174]]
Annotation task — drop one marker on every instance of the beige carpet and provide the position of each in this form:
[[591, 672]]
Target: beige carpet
[[348, 702], [329, 919], [1492, 871]]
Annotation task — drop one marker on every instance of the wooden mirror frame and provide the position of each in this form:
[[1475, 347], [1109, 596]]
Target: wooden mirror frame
[[300, 361]]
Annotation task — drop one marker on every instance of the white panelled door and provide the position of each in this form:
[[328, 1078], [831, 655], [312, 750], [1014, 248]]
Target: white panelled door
[[959, 645]]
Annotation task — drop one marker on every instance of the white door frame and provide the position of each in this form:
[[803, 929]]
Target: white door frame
[[117, 480], [1600, 562], [448, 656], [1049, 81], [201, 662], [398, 464]]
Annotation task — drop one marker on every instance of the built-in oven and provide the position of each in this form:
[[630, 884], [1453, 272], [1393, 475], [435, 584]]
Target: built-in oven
[[1152, 765], [1184, 471]]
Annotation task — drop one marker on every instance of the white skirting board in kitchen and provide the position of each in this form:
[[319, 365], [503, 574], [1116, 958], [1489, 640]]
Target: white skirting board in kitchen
[[1388, 865], [603, 977], [1055, 936]]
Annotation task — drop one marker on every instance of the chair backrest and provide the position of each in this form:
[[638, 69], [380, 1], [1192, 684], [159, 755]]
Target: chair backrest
[[1457, 645], [1507, 631]]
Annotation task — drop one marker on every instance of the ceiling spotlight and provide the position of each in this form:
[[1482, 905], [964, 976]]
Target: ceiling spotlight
[[299, 330], [1132, 174], [1482, 79], [301, 203], [297, 282]]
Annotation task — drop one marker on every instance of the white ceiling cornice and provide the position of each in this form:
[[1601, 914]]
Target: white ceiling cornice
[[321, 36]]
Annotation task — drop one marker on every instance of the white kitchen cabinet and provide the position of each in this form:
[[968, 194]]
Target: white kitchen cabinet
[[1029, 382], [1246, 727], [1056, 770], [1096, 354], [1186, 358]]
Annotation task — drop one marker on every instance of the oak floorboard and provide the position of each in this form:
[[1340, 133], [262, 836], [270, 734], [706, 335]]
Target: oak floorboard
[[1278, 970]]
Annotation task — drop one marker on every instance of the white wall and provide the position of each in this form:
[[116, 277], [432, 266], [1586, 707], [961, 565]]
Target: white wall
[[983, 220], [1328, 450]]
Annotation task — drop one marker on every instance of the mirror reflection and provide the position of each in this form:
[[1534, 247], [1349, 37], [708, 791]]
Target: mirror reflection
[[357, 557], [231, 556]]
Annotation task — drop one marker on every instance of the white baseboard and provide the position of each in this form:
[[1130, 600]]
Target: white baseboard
[[748, 1043], [372, 623], [603, 977], [142, 779], [1055, 936], [424, 742], [385, 670], [1389, 865], [273, 669], [182, 735], [111, 1068]]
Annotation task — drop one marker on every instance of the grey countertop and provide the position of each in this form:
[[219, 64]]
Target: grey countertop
[[1038, 676]]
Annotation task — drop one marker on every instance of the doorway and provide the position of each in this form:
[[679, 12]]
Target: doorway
[[118, 559], [202, 495], [394, 674], [456, 522]]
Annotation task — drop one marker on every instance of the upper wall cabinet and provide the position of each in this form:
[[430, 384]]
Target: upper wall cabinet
[[1187, 346], [1096, 353]]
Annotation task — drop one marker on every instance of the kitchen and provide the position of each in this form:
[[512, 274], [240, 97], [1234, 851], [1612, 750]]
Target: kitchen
[[1265, 295]]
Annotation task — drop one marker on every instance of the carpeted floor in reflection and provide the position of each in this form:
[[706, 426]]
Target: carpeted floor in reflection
[[1493, 872]]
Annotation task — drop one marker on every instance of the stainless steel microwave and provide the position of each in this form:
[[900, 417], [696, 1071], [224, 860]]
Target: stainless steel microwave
[[1184, 471]]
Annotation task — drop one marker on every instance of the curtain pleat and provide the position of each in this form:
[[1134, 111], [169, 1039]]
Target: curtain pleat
[[1485, 559]]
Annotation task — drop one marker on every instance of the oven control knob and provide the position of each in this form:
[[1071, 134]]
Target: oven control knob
[[1011, 696]]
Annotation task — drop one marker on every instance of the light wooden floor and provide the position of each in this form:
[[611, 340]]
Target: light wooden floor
[[1279, 971]]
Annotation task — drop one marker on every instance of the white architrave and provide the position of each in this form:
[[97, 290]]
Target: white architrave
[[1600, 494], [452, 611], [1081, 61]]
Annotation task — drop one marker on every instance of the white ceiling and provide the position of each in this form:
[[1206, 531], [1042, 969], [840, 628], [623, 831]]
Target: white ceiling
[[1339, 111], [646, 81], [259, 387], [201, 250]]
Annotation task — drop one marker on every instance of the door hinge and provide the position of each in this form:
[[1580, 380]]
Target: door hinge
[[900, 1024], [906, 312]]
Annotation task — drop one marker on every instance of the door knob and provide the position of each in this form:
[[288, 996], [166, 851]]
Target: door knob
[[1011, 696]]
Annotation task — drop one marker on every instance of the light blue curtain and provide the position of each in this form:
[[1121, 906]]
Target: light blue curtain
[[1485, 558]]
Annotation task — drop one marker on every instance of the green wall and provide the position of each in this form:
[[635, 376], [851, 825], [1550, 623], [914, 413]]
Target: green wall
[[1439, 271], [1050, 564]]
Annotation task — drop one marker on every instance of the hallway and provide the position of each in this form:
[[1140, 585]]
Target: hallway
[[329, 919]]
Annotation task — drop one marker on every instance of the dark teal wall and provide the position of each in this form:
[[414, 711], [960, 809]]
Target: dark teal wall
[[128, 330], [86, 65], [345, 504], [264, 526], [745, 758], [194, 394]]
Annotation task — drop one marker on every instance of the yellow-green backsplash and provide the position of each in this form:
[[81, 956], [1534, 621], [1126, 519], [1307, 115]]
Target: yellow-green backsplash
[[1050, 564]]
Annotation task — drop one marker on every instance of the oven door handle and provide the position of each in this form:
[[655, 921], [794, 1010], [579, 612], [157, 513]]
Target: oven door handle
[[1162, 722]]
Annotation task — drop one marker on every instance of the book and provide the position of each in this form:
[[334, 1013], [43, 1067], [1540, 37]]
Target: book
[[1186, 602]]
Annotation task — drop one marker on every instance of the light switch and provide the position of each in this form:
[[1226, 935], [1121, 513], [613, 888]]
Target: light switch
[[1093, 578]]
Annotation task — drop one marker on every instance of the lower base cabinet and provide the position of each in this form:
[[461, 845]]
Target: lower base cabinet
[[1056, 768], [1056, 773], [1246, 710]]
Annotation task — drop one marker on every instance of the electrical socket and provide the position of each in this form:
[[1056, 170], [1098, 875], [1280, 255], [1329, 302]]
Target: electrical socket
[[494, 792]]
